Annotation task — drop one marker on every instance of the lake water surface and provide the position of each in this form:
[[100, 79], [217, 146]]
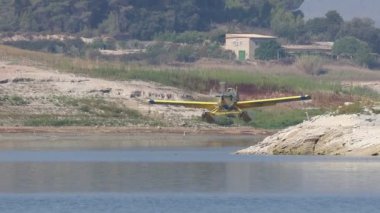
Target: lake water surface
[[175, 173]]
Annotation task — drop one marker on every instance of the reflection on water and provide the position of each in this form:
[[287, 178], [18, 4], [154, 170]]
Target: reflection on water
[[248, 174], [10, 141], [108, 173], [200, 203]]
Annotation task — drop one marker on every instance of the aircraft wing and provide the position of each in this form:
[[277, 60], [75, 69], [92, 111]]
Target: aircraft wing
[[271, 101], [191, 104]]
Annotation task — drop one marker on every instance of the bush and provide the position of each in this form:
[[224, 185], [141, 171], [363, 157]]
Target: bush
[[351, 108], [165, 52], [223, 121], [160, 53], [13, 100], [269, 50], [106, 44], [213, 50], [355, 49], [187, 54], [312, 65], [73, 47], [188, 37]]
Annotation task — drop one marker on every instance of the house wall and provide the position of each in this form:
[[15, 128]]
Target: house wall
[[239, 44], [248, 45]]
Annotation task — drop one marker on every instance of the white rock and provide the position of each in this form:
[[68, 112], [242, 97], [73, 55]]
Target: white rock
[[330, 135]]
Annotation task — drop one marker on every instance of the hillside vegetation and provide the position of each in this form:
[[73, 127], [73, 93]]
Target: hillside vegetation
[[183, 31], [140, 19], [180, 44]]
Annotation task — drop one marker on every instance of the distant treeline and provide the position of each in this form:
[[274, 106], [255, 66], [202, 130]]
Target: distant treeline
[[138, 19], [200, 24]]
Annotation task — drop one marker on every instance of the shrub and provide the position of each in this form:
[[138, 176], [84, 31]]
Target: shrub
[[187, 54], [13, 100], [106, 44], [312, 65], [269, 50], [73, 47], [159, 53], [355, 49], [352, 108], [188, 37]]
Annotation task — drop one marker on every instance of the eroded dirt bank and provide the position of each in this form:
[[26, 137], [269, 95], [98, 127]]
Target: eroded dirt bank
[[350, 135]]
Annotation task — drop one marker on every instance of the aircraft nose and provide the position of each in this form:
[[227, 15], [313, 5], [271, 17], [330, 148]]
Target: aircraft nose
[[305, 97]]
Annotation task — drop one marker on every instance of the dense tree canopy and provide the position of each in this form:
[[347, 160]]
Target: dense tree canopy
[[286, 24], [182, 21], [140, 19], [325, 28], [363, 29]]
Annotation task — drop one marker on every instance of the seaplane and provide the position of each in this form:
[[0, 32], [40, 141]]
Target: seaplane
[[229, 104]]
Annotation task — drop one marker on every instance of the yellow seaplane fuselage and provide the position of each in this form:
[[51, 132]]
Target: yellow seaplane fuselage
[[229, 104]]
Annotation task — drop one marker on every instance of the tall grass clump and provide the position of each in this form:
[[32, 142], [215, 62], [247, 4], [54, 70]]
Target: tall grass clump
[[312, 65], [364, 92], [280, 118], [97, 107], [13, 100]]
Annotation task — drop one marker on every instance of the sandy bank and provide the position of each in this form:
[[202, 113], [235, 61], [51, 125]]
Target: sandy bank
[[350, 135]]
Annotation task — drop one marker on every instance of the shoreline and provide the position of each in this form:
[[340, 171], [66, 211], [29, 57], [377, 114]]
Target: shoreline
[[138, 130]]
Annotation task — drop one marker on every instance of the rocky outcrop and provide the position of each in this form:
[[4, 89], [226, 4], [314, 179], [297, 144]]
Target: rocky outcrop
[[351, 135]]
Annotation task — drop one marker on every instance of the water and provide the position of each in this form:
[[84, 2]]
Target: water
[[172, 173]]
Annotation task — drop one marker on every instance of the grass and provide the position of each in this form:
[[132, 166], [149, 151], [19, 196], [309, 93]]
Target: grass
[[280, 118], [81, 120], [86, 112], [93, 111], [272, 117], [96, 107], [363, 92], [13, 100], [196, 79], [49, 120], [201, 80], [350, 109], [312, 65], [193, 78], [341, 72]]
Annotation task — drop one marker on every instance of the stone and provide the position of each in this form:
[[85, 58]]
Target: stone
[[325, 136]]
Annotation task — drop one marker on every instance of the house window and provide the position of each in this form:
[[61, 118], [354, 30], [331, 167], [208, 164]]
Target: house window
[[237, 43]]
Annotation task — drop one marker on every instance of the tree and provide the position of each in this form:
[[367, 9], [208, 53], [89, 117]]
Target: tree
[[139, 19], [269, 50], [334, 23], [334, 18], [317, 27], [363, 29], [325, 28], [290, 5], [20, 6], [7, 16], [287, 25], [352, 47]]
